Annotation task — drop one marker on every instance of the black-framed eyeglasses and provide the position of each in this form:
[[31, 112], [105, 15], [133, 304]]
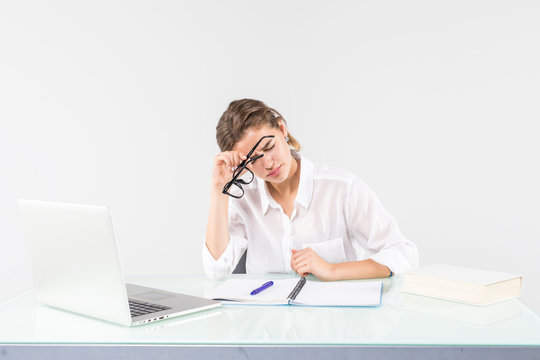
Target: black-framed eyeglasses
[[242, 175]]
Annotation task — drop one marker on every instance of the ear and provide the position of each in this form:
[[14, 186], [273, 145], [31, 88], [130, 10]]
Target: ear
[[283, 128]]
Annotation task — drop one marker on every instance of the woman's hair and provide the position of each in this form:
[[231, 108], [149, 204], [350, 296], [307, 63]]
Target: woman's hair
[[244, 114]]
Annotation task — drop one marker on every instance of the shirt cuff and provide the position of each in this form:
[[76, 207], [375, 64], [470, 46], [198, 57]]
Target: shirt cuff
[[393, 259], [224, 266]]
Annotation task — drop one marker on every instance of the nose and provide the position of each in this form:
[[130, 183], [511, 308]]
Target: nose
[[268, 162]]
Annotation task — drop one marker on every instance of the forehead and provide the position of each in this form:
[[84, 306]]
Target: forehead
[[253, 135]]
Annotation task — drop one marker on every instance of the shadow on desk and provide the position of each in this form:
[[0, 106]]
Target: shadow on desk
[[470, 314]]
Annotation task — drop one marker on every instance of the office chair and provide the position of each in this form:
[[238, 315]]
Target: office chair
[[241, 267]]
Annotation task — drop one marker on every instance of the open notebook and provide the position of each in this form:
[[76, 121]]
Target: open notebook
[[299, 292]]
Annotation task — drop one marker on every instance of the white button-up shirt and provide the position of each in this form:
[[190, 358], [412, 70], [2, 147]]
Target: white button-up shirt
[[335, 214]]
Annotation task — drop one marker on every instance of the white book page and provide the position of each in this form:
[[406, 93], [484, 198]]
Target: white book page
[[240, 290], [340, 293], [463, 274]]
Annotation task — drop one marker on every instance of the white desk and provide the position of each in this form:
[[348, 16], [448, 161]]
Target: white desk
[[404, 326]]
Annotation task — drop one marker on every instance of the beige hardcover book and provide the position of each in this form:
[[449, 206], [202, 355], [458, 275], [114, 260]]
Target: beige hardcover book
[[466, 285]]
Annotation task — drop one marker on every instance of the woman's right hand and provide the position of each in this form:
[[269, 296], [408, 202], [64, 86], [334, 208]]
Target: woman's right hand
[[224, 165]]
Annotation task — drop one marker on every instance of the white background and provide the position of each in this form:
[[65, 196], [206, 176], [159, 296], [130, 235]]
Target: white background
[[435, 104]]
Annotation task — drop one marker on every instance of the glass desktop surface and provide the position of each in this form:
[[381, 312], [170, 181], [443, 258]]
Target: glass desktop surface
[[402, 319]]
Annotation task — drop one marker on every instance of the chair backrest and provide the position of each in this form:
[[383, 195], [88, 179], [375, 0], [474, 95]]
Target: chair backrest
[[241, 267]]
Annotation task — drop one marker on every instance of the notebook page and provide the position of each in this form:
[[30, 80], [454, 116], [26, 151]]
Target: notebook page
[[240, 289], [340, 293]]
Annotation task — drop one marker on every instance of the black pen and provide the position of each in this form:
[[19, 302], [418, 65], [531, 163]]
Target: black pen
[[297, 289]]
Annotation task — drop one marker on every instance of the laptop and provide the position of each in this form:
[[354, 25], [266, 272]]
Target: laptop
[[76, 267]]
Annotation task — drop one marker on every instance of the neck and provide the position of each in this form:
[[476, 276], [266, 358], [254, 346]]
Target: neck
[[290, 185]]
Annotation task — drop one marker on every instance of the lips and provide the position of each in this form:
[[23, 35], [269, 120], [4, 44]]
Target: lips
[[275, 172]]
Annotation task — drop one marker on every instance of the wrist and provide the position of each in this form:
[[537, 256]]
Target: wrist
[[217, 196], [216, 186], [333, 272], [217, 189]]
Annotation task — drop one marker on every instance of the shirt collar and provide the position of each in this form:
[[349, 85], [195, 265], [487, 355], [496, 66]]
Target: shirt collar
[[305, 185]]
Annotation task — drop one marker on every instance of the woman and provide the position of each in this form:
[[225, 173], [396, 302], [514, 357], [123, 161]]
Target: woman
[[293, 215]]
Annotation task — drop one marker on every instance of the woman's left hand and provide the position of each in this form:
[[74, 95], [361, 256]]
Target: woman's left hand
[[307, 261]]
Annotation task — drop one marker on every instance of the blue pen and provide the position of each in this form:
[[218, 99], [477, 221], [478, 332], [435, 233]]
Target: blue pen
[[262, 287]]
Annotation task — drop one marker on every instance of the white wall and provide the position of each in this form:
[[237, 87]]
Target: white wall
[[433, 104]]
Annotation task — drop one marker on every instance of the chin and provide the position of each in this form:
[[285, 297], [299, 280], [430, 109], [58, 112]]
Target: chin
[[275, 180]]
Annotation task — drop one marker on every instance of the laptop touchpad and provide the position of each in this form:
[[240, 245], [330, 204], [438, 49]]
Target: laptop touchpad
[[154, 295]]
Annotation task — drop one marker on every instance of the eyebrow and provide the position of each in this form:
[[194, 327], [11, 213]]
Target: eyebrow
[[267, 143]]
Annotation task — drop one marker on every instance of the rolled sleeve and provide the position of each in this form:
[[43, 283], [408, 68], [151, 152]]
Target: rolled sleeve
[[224, 266], [395, 260], [377, 231]]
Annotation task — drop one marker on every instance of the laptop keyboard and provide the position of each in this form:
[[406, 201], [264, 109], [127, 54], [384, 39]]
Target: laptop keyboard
[[139, 308]]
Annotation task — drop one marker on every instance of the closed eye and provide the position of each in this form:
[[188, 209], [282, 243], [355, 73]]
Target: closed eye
[[255, 158], [264, 150]]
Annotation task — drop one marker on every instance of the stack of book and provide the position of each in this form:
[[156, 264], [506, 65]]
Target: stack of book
[[466, 285]]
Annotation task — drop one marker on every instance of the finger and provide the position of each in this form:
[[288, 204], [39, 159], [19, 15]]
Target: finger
[[303, 270], [293, 254], [234, 158], [296, 263], [240, 157], [302, 258], [301, 273], [299, 264], [304, 251], [221, 158], [307, 253], [232, 161], [296, 253], [297, 270], [295, 259], [237, 160], [224, 159]]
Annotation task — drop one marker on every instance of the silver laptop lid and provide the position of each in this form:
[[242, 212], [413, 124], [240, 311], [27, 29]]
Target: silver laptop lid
[[74, 259]]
